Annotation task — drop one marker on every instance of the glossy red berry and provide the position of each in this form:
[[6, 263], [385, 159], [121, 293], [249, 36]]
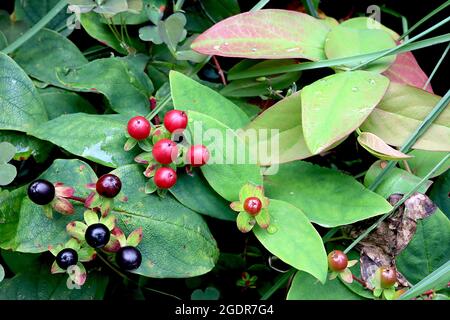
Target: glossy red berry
[[108, 185], [388, 277], [66, 258], [175, 120], [197, 155], [41, 192], [165, 178], [337, 260], [165, 151], [97, 235], [252, 205], [139, 128], [128, 258]]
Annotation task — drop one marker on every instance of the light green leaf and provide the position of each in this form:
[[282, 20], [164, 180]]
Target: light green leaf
[[2, 273], [336, 105], [7, 152], [428, 250], [46, 53], [423, 161], [225, 171], [189, 95], [295, 240], [327, 197], [20, 105], [76, 134], [398, 181], [26, 146], [7, 173], [172, 30], [176, 241], [280, 34], [399, 114], [150, 33], [193, 191], [58, 102], [364, 23], [344, 41], [379, 148]]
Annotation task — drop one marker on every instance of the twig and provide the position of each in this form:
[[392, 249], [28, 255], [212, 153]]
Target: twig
[[219, 70], [79, 199]]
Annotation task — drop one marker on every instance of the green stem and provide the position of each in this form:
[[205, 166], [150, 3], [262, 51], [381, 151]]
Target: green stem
[[438, 64], [178, 5], [261, 4], [420, 35], [38, 26], [424, 19], [330, 234], [398, 204], [426, 123], [312, 10], [282, 280]]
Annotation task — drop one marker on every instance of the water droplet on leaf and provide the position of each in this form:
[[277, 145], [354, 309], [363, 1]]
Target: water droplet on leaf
[[272, 229], [355, 89]]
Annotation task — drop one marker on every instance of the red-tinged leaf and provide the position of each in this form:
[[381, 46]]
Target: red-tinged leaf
[[135, 237], [56, 269], [406, 70], [63, 191], [63, 206], [76, 229], [265, 34], [380, 149], [120, 236]]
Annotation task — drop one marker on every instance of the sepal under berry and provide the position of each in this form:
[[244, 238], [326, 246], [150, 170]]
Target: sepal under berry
[[135, 237], [245, 222], [76, 229], [145, 145], [130, 144], [144, 158], [77, 274], [346, 275], [150, 186], [63, 206], [263, 218]]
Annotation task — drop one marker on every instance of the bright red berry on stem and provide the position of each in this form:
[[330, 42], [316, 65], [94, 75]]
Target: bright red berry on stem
[[197, 155], [165, 151], [388, 277], [139, 128], [165, 178], [252, 205], [337, 260], [108, 185], [175, 120]]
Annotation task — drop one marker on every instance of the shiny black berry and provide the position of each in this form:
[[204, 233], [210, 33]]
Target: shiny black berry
[[128, 258], [97, 235], [66, 258], [108, 185], [41, 192]]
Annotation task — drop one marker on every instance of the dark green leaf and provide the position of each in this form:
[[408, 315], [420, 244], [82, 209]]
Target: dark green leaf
[[423, 161], [32, 11], [58, 102], [26, 146], [219, 10], [440, 193]]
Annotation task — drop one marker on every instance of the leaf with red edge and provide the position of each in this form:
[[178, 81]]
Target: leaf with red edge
[[406, 70], [135, 237], [265, 34]]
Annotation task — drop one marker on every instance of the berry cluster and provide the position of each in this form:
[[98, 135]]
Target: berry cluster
[[162, 155]]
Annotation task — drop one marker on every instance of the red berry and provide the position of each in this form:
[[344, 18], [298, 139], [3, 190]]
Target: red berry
[[252, 205], [337, 260], [165, 178], [108, 185], [388, 277], [197, 155], [139, 128], [175, 120], [165, 151]]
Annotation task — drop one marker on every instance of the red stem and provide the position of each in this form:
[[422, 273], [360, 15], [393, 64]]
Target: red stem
[[155, 119], [79, 199], [360, 281], [219, 70]]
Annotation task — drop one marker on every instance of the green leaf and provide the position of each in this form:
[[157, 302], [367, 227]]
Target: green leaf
[[398, 181], [210, 293], [40, 284], [225, 171], [26, 146], [279, 137], [7, 174], [439, 193], [344, 41], [46, 53], [172, 30], [7, 152], [189, 95], [28, 229], [428, 250], [10, 203], [295, 240], [127, 88], [132, 18], [150, 33], [58, 102], [20, 105], [176, 241], [11, 29], [220, 10], [379, 148], [3, 41], [100, 31], [76, 134], [336, 105], [401, 111], [2, 273], [32, 11], [19, 262], [193, 191], [306, 287], [327, 197], [364, 23], [423, 161], [280, 34]]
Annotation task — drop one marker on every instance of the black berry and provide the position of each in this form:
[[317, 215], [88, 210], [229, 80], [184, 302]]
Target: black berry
[[97, 235], [41, 192], [108, 185], [66, 258], [128, 258]]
